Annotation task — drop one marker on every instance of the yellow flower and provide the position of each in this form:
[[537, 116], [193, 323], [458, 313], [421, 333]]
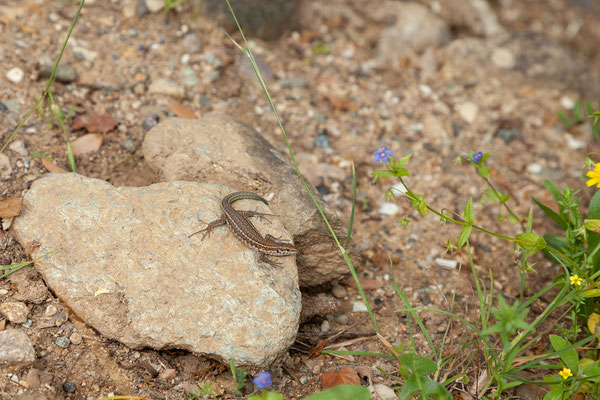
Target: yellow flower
[[575, 280], [565, 373], [594, 175]]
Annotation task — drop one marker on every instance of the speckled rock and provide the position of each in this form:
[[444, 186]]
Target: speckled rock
[[128, 268], [15, 347]]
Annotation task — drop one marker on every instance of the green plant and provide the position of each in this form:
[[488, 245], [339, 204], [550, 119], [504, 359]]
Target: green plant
[[204, 392], [579, 114], [239, 377]]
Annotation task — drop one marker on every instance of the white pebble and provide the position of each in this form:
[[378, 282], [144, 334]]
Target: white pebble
[[359, 306], [503, 58], [534, 168], [442, 262], [185, 58], [468, 111], [567, 103], [575, 144], [15, 75], [399, 189], [389, 209]]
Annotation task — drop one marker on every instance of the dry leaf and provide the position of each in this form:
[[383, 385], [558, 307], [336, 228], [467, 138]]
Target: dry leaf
[[50, 166], [10, 207], [180, 110], [101, 123], [345, 376], [85, 144]]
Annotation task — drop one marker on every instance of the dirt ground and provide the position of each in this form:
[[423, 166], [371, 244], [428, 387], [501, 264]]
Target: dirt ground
[[335, 108]]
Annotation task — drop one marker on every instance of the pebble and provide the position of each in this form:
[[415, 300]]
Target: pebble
[[18, 146], [188, 76], [567, 103], [50, 310], [3, 108], [33, 379], [168, 374], [150, 121], [191, 43], [342, 319], [388, 208], [292, 82], [325, 326], [185, 58], [503, 58], [575, 144], [339, 292], [15, 346], [322, 140], [64, 73], [384, 392], [62, 341], [359, 306], [468, 111], [69, 387], [303, 379], [534, 168], [15, 75], [167, 87], [508, 135], [15, 311], [442, 262], [27, 324], [76, 338], [155, 5], [399, 189]]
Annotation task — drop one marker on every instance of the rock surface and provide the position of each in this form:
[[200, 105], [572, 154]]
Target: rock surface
[[218, 149], [15, 311], [15, 347], [128, 268]]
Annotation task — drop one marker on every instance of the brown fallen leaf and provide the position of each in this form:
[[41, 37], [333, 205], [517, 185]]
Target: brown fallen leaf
[[101, 123], [180, 110], [345, 376], [85, 144], [50, 166], [10, 207]]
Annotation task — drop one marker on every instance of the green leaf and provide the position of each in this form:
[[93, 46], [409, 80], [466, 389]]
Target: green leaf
[[426, 386], [555, 394], [468, 212], [417, 364], [531, 243], [342, 392], [463, 236], [554, 216], [593, 237], [556, 194], [485, 156], [569, 357], [555, 241], [564, 118], [577, 112], [484, 171]]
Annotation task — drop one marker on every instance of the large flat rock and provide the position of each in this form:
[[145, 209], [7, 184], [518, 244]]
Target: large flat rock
[[127, 267]]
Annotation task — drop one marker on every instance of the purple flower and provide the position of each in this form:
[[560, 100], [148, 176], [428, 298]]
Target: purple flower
[[383, 154], [263, 380], [477, 157]]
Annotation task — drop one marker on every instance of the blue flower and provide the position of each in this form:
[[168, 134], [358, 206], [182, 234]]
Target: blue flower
[[383, 154], [263, 380], [477, 157]]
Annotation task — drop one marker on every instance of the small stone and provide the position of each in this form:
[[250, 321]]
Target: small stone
[[503, 58], [442, 262], [468, 111], [18, 147], [69, 387], [132, 32], [64, 73], [15, 311], [388, 208], [33, 379], [168, 374], [534, 168], [359, 306], [15, 347], [191, 43], [342, 319], [155, 5], [5, 168], [185, 58], [50, 310], [27, 324], [508, 135], [303, 380], [325, 326], [62, 341], [339, 292], [384, 392], [150, 121], [292, 82], [567, 103], [167, 87], [322, 140], [15, 75], [575, 144], [188, 76], [398, 189], [14, 378], [76, 338]]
